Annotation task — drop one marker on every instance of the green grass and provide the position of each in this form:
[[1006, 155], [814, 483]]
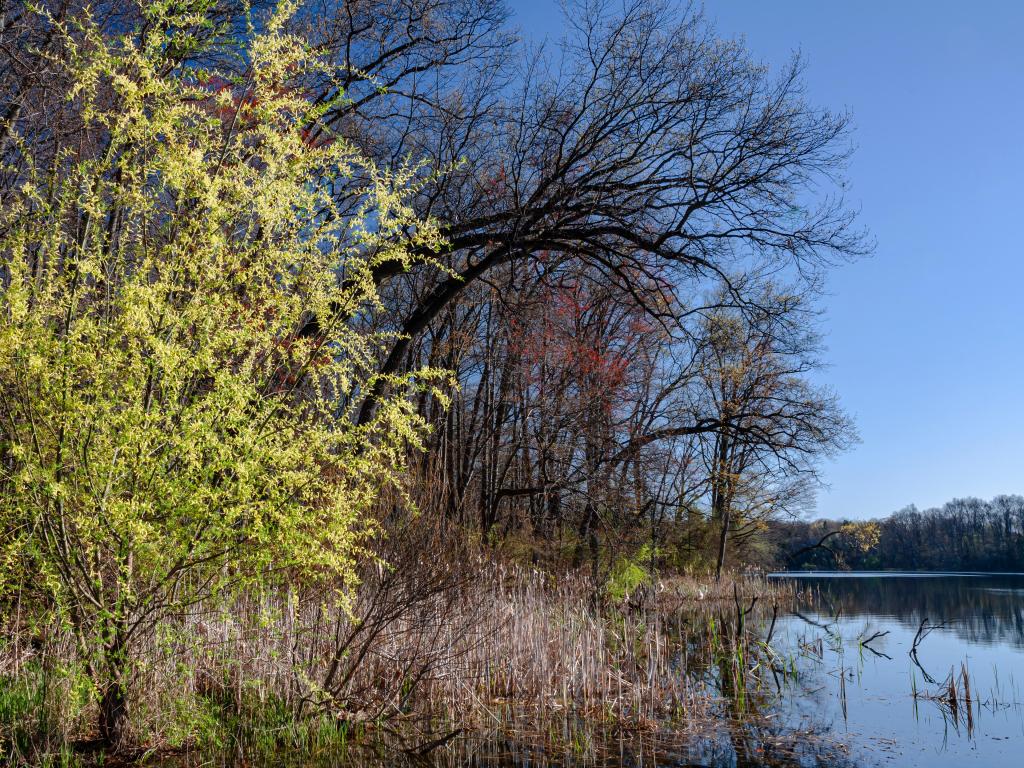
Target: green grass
[[28, 726], [268, 729]]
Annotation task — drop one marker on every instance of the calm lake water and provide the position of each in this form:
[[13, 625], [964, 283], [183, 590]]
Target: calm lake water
[[874, 710]]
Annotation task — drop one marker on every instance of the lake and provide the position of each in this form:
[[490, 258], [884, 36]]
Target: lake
[[964, 624]]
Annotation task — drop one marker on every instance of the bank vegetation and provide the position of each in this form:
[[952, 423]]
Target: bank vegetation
[[370, 361]]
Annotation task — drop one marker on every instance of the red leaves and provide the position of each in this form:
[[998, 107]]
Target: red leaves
[[496, 184], [578, 335]]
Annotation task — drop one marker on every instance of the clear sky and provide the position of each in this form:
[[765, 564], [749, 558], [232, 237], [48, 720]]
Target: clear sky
[[925, 337]]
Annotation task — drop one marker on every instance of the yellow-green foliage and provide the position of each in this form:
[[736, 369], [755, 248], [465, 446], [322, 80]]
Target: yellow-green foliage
[[628, 573], [862, 536], [165, 434]]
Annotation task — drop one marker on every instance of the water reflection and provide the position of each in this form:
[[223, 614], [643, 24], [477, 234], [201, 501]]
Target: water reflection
[[735, 745], [980, 608], [955, 701]]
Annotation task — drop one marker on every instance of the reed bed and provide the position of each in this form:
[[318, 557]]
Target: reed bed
[[419, 654], [425, 650]]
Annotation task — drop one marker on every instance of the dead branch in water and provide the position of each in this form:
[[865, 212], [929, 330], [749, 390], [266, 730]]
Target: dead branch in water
[[867, 644], [922, 632]]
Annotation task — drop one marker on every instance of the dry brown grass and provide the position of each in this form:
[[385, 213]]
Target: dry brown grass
[[433, 644]]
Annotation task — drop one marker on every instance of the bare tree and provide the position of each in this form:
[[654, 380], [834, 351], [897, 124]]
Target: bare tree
[[645, 145], [772, 425]]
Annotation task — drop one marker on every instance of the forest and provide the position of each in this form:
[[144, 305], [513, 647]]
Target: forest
[[962, 535], [332, 329]]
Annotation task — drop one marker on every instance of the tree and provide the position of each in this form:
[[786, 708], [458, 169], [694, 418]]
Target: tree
[[772, 424], [167, 434], [641, 153], [646, 147]]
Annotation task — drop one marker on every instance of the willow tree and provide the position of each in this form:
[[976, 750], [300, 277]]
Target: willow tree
[[167, 433]]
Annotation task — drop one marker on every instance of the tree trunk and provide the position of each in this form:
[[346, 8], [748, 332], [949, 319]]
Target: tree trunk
[[722, 541], [721, 498], [113, 714]]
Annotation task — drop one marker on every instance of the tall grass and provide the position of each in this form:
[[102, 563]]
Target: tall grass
[[420, 651]]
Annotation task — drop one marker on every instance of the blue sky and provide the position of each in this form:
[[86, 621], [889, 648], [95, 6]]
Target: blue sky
[[925, 337]]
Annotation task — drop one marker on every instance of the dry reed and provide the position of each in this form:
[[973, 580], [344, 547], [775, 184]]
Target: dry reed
[[480, 646]]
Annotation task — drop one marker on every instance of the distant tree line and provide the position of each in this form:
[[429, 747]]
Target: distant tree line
[[962, 535]]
